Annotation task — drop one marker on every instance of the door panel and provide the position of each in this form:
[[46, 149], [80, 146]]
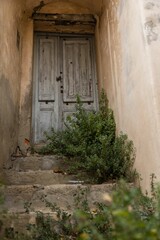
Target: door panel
[[64, 68], [77, 76], [46, 119], [45, 87], [46, 74]]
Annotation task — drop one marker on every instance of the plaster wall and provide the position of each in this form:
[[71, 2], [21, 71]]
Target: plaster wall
[[10, 72], [25, 112], [65, 6], [129, 43]]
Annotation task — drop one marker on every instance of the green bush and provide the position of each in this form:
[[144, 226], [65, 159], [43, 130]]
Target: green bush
[[128, 215], [90, 139]]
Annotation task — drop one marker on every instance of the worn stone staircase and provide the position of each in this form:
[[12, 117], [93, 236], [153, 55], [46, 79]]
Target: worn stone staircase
[[31, 179]]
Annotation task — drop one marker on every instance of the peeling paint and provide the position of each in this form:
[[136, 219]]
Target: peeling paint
[[150, 29], [149, 5]]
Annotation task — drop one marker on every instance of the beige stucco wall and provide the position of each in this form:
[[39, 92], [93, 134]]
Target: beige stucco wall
[[25, 113], [129, 47], [10, 72]]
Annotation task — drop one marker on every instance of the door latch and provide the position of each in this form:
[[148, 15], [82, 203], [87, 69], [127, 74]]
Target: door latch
[[58, 79]]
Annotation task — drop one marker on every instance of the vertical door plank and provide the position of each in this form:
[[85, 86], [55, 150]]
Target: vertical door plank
[[77, 76], [46, 100], [85, 70], [45, 119], [46, 76]]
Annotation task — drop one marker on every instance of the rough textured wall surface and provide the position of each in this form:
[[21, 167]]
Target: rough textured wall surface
[[26, 88], [10, 55], [129, 40], [66, 6]]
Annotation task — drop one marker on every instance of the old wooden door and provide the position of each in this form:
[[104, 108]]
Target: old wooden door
[[64, 68]]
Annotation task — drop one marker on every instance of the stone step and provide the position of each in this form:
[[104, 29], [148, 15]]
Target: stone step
[[39, 162], [43, 177], [18, 222], [65, 196], [45, 170], [36, 180]]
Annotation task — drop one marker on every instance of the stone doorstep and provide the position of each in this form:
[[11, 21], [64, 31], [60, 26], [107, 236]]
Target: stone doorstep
[[65, 196], [39, 162], [45, 170], [43, 177]]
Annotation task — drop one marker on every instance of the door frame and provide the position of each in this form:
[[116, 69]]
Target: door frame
[[59, 63]]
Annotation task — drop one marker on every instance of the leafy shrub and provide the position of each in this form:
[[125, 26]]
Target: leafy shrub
[[90, 138], [129, 214]]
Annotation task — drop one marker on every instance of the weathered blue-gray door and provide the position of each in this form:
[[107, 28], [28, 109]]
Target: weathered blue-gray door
[[64, 68]]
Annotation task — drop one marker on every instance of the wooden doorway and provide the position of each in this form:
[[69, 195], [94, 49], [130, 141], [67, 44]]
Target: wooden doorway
[[64, 67]]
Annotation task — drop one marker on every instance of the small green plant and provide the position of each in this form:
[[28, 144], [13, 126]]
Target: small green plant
[[90, 139]]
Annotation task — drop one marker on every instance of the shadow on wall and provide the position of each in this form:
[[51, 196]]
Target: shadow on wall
[[9, 110]]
